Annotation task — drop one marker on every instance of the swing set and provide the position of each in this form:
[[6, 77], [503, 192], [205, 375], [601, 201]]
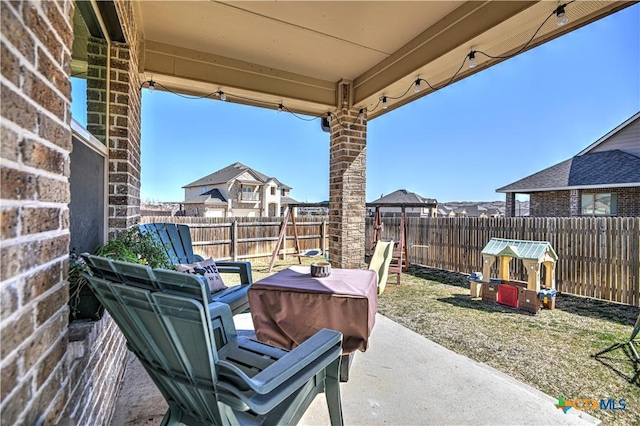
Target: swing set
[[400, 259], [289, 214]]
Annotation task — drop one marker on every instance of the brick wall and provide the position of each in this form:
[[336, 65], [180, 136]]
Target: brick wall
[[34, 245], [628, 200], [96, 356], [97, 88], [568, 203], [549, 203], [124, 127], [347, 190], [95, 361], [50, 370]]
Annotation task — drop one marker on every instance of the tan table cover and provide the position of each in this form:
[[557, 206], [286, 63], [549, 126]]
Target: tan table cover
[[290, 306]]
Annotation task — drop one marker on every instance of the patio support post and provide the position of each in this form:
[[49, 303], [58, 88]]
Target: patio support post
[[347, 180], [124, 117]]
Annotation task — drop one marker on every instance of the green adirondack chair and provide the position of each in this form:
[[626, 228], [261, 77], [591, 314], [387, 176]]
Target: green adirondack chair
[[206, 372], [176, 238], [380, 261]]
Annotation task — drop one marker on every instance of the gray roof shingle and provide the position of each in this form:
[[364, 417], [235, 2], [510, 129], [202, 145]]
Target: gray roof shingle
[[210, 197], [604, 168], [231, 172]]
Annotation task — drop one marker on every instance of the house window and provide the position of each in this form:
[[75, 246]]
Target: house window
[[203, 190], [247, 190], [599, 204], [283, 193], [273, 190]]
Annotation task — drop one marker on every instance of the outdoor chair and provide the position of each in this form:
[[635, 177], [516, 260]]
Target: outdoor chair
[[176, 239], [629, 348], [380, 261], [206, 372]]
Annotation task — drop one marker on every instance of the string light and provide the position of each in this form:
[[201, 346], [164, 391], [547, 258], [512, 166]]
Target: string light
[[472, 59], [561, 16], [559, 12]]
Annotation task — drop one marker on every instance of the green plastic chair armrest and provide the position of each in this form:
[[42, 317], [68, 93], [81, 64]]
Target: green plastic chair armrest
[[292, 363]]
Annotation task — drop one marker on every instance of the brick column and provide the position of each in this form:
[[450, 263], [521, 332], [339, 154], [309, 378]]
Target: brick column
[[347, 180], [34, 216], [575, 202], [510, 204], [124, 138], [97, 88]]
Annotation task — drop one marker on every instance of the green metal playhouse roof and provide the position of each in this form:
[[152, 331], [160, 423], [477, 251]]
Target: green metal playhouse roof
[[521, 249]]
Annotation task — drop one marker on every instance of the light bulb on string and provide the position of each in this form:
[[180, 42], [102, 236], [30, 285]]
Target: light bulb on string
[[416, 89], [361, 113], [280, 106], [223, 97], [152, 86], [472, 59], [329, 117], [562, 17], [384, 102]]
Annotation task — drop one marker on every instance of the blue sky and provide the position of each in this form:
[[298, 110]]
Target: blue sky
[[458, 144]]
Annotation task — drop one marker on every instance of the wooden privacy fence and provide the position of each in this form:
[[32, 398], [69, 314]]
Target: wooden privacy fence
[[244, 238], [597, 257]]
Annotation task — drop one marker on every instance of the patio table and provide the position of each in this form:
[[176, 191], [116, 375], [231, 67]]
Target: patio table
[[290, 306]]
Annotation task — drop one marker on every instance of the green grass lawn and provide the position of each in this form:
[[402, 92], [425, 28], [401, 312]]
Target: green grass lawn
[[550, 351]]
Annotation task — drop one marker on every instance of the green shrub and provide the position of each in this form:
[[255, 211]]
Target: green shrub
[[136, 247]]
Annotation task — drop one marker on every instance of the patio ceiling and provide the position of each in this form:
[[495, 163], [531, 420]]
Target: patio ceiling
[[296, 53]]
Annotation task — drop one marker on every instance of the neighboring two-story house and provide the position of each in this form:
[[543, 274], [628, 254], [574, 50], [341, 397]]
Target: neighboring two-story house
[[602, 180], [236, 190]]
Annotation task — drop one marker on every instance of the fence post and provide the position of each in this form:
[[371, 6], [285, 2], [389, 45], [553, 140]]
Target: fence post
[[234, 239]]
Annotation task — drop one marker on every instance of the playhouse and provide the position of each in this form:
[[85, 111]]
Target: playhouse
[[534, 255]]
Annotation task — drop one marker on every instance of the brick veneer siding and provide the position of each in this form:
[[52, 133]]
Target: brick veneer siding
[[97, 88], [124, 125], [347, 180], [45, 377], [549, 204], [34, 197], [568, 203], [97, 352], [510, 204], [96, 361]]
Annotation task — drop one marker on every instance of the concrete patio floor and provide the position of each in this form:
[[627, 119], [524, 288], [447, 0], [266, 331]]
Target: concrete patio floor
[[402, 379]]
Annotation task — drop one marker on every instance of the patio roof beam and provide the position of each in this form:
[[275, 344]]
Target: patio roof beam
[[461, 26], [260, 83]]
